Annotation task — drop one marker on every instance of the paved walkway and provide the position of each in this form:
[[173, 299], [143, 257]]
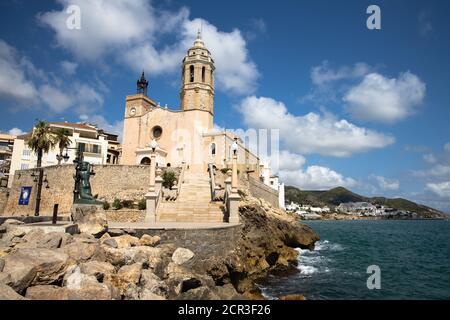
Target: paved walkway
[[170, 225]]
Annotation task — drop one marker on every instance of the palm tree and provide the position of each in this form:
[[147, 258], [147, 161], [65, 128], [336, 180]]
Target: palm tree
[[42, 140], [62, 140]]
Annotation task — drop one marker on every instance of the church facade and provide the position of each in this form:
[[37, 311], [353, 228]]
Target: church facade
[[185, 135]]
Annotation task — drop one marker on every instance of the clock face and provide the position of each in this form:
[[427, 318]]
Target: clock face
[[132, 112]]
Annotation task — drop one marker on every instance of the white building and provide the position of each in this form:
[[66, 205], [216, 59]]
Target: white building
[[274, 182], [98, 148]]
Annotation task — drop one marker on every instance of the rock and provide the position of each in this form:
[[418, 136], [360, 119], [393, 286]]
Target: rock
[[98, 269], [147, 240], [148, 295], [152, 283], [7, 293], [2, 229], [182, 255], [35, 266], [34, 236], [47, 292], [5, 278], [2, 264], [132, 292], [85, 287], [4, 251], [293, 297], [51, 240], [126, 241], [85, 238], [81, 252], [116, 232], [141, 254], [126, 277], [201, 293], [228, 292], [12, 222], [110, 242], [90, 220]]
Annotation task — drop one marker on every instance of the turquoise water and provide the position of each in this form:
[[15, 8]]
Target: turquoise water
[[413, 256]]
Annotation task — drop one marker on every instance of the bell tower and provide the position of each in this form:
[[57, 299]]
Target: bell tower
[[197, 80]]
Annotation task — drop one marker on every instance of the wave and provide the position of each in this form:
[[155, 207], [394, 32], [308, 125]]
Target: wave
[[324, 245], [307, 270]]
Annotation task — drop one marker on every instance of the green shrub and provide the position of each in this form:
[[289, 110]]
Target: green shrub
[[106, 205], [127, 204], [117, 204], [142, 205], [169, 179]]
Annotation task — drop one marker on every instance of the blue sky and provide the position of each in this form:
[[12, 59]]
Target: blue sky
[[366, 109]]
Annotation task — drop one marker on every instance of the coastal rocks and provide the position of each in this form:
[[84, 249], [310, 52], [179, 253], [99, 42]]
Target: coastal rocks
[[2, 264], [90, 219], [85, 287], [126, 279], [182, 255], [147, 240], [110, 242], [293, 297], [100, 270], [47, 292], [201, 293], [151, 283], [7, 293], [79, 252], [125, 241], [35, 266]]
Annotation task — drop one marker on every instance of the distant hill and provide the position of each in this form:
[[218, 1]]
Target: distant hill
[[336, 196]]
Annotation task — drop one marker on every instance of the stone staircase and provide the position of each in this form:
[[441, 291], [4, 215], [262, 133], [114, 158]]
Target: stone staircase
[[193, 203]]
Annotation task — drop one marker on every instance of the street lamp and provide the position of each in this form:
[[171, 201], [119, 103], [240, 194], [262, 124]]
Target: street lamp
[[234, 147], [153, 145]]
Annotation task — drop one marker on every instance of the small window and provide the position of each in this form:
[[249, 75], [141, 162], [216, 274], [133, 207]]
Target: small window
[[191, 73], [213, 149], [157, 132], [203, 74], [24, 166], [145, 161]]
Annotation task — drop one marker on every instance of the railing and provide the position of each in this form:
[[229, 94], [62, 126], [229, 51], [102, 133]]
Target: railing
[[212, 181]]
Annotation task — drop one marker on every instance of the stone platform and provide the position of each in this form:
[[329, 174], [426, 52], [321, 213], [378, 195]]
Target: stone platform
[[47, 227]]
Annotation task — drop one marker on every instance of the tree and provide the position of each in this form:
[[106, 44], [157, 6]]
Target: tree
[[62, 140], [169, 178], [42, 140]]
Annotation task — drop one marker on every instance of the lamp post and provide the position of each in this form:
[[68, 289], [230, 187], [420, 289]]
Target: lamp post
[[234, 176], [152, 196], [78, 159]]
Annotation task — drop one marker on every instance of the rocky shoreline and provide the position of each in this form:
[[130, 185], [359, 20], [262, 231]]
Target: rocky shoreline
[[117, 265]]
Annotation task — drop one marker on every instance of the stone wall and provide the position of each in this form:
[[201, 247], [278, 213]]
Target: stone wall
[[3, 199], [259, 190], [125, 215], [109, 182], [204, 242]]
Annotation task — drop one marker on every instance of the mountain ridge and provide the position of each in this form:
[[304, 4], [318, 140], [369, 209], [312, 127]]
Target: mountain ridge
[[338, 195]]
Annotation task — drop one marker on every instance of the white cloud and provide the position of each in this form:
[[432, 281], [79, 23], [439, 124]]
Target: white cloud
[[441, 189], [386, 184], [16, 132], [14, 84], [381, 99], [447, 147], [132, 30], [116, 127], [69, 68], [429, 158], [316, 178], [311, 133], [323, 74], [105, 25], [57, 100]]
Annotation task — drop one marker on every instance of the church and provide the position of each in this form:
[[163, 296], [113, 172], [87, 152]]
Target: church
[[185, 135]]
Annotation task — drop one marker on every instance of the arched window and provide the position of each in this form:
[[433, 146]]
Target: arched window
[[191, 73], [203, 74], [213, 149], [146, 161], [212, 78]]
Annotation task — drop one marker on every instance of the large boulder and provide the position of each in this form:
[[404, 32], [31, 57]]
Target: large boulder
[[8, 293], [51, 240], [147, 240], [148, 295], [100, 270], [126, 279], [152, 283], [47, 292], [85, 287], [200, 293], [182, 255], [123, 256], [34, 267], [80, 252], [126, 241], [90, 219]]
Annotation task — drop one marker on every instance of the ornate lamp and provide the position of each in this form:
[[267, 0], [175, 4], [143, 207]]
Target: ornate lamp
[[234, 147], [153, 145]]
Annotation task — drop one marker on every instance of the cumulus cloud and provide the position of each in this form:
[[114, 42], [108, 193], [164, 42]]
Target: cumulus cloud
[[378, 98], [386, 184], [101, 122], [323, 74], [132, 30], [447, 147], [311, 133], [12, 72], [440, 189], [57, 100], [16, 132]]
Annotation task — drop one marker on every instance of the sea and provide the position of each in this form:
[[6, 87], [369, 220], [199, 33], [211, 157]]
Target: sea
[[408, 259]]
